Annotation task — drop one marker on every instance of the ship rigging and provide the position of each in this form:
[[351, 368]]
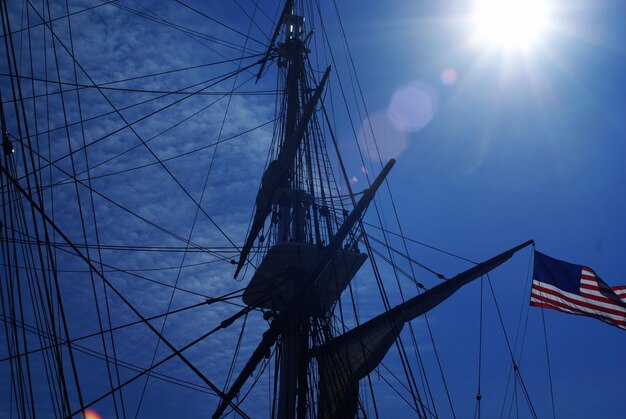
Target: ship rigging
[[197, 219]]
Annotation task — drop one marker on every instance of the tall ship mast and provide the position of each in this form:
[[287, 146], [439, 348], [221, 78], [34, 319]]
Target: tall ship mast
[[309, 253]]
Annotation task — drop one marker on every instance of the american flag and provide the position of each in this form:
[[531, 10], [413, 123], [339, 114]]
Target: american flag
[[576, 289]]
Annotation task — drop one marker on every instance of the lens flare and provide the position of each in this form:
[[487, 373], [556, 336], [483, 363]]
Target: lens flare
[[412, 107], [380, 137], [448, 76], [91, 414]]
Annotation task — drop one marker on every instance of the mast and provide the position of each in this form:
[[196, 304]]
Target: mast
[[295, 340], [304, 271]]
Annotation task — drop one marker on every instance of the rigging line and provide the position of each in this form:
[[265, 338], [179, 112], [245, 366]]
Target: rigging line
[[122, 270], [214, 250], [19, 218], [274, 399], [545, 338], [78, 196], [219, 79], [9, 346], [155, 281], [209, 301], [430, 332], [47, 102], [191, 33], [160, 73], [46, 218], [419, 359], [104, 3], [222, 232], [404, 238], [209, 171], [96, 231], [30, 55], [524, 307], [246, 36], [123, 208], [406, 365], [178, 156], [223, 325], [28, 274], [260, 373], [410, 259], [344, 96], [191, 230], [419, 242], [152, 224], [129, 125], [349, 53], [22, 217], [17, 91], [193, 224], [270, 19], [185, 119], [47, 362], [235, 355], [401, 349], [15, 290], [397, 268], [125, 364], [132, 78], [508, 344], [116, 110], [480, 350], [16, 386], [352, 197], [252, 20], [130, 273], [399, 343], [126, 270], [80, 86], [63, 404], [381, 376], [396, 378]]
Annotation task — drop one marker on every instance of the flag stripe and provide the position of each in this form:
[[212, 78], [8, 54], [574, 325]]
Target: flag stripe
[[597, 295], [546, 292], [560, 306], [569, 309], [591, 300], [536, 303]]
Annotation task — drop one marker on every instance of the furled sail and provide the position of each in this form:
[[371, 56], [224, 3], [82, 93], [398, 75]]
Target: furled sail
[[277, 173], [344, 360]]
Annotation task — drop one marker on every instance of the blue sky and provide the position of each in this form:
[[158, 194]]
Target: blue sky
[[524, 145], [494, 147]]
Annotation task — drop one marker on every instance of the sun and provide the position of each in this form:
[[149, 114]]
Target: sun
[[510, 24]]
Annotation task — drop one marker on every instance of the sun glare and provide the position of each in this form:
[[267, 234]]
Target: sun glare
[[91, 414], [510, 23]]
